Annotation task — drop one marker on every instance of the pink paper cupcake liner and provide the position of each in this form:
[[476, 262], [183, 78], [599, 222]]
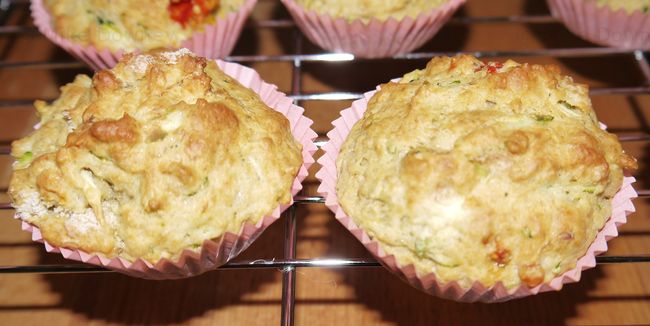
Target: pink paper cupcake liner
[[373, 39], [215, 41], [621, 207], [213, 253], [603, 25]]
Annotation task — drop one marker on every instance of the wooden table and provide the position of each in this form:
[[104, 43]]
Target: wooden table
[[607, 294]]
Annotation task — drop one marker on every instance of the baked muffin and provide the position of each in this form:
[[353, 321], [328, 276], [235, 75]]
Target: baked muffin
[[151, 158], [129, 25], [618, 23], [493, 173], [99, 32], [371, 28]]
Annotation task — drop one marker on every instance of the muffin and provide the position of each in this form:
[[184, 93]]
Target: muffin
[[130, 25], [367, 10], [480, 176], [618, 23], [208, 27], [371, 28], [153, 158]]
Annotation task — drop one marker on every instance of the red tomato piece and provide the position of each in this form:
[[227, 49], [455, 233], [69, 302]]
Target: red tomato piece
[[180, 11], [493, 67]]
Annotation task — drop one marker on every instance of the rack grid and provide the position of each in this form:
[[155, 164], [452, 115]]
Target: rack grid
[[289, 263]]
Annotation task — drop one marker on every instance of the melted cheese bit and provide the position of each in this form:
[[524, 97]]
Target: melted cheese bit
[[172, 122]]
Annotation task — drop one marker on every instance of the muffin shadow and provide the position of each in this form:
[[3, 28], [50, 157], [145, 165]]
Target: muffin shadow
[[643, 178], [248, 42], [19, 17], [615, 70], [363, 75], [398, 302], [67, 75], [117, 298]]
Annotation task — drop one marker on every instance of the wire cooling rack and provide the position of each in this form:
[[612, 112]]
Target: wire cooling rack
[[289, 263]]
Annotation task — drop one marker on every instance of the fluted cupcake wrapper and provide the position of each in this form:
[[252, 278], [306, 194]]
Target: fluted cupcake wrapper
[[603, 25], [621, 207], [373, 39], [215, 41], [215, 252]]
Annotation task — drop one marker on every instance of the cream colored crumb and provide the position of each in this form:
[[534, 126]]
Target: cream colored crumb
[[32, 207]]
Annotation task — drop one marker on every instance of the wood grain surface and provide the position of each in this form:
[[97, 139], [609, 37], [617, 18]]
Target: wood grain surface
[[607, 295]]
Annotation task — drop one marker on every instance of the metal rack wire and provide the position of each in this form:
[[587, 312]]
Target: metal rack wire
[[289, 264]]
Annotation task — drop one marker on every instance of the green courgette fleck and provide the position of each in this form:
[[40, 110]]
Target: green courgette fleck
[[420, 248], [25, 157], [528, 233], [568, 105], [443, 264], [203, 185], [105, 22], [481, 170], [544, 117]]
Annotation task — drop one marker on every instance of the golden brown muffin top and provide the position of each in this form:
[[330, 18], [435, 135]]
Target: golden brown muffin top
[[481, 172], [368, 9], [129, 24], [152, 157]]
